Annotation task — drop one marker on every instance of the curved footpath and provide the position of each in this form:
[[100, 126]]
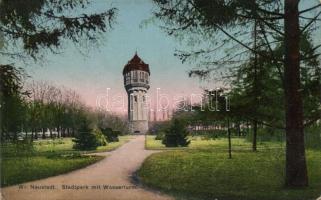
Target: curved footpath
[[108, 179]]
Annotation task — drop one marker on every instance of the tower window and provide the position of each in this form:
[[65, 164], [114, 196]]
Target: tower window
[[135, 76], [135, 97], [146, 77], [127, 78]]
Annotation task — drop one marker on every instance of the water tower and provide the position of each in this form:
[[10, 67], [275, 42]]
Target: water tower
[[136, 80]]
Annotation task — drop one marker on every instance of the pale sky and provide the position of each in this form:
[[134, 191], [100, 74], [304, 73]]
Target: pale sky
[[91, 75], [102, 68]]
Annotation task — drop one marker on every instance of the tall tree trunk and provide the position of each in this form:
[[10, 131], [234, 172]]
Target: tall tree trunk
[[239, 129], [43, 133], [32, 137], [68, 132], [229, 139], [247, 127], [255, 89], [254, 141], [36, 134], [296, 168], [63, 132], [58, 132]]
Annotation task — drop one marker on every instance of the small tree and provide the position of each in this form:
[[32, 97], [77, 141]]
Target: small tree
[[159, 129], [85, 139], [100, 137], [176, 135], [111, 136]]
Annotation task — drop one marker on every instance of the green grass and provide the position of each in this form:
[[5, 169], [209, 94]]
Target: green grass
[[205, 172], [22, 169], [114, 145], [66, 144], [197, 142], [48, 158]]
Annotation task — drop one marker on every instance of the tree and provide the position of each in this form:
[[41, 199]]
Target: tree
[[85, 139], [227, 22], [296, 168], [256, 95], [176, 135], [106, 120], [29, 29], [38, 25], [111, 136], [12, 104], [218, 102]]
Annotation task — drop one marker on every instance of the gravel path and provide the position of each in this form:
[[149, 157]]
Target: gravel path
[[113, 172]]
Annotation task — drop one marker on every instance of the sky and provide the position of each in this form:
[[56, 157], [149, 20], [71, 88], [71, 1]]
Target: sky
[[92, 74]]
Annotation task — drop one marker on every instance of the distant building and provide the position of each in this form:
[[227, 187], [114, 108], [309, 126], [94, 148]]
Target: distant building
[[136, 80]]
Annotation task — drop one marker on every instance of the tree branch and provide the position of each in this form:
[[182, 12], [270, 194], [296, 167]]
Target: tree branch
[[309, 9], [312, 20]]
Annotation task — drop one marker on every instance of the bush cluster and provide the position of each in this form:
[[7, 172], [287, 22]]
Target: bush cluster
[[89, 139], [176, 135]]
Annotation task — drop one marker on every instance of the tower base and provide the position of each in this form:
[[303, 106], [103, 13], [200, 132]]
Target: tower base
[[138, 126]]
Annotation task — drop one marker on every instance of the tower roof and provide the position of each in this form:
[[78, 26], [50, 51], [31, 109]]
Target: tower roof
[[136, 63]]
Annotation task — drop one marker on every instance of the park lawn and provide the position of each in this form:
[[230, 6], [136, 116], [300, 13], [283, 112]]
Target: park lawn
[[220, 143], [114, 145], [66, 144], [17, 170], [48, 158], [209, 174]]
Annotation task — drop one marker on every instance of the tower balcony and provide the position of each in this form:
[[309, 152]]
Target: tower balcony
[[136, 84]]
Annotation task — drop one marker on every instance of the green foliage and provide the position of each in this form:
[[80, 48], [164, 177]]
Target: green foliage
[[17, 148], [12, 104], [100, 137], [44, 24], [115, 135], [228, 25], [111, 135], [267, 134], [312, 137], [160, 136], [176, 135], [159, 129], [210, 134], [111, 121], [85, 138]]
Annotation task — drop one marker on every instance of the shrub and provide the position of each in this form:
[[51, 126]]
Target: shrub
[[115, 136], [111, 136], [85, 138], [100, 137], [267, 134], [176, 135], [209, 136], [160, 136], [17, 148]]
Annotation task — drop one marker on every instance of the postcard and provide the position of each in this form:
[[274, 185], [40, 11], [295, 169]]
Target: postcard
[[160, 100]]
